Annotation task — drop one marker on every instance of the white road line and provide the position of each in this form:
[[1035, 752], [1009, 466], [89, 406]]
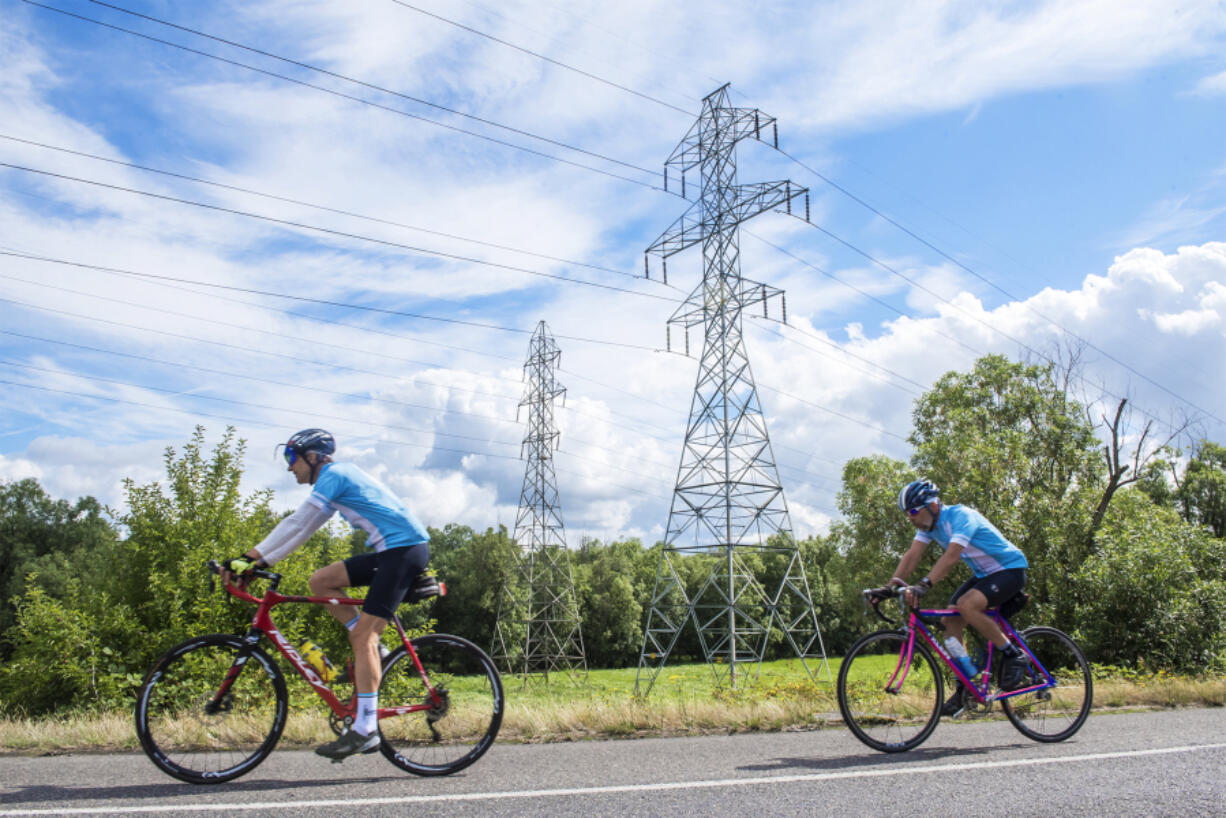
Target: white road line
[[879, 772]]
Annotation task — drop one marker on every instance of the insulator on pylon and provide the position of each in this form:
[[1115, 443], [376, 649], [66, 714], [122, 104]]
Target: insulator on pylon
[[806, 205], [687, 342], [646, 268], [666, 178], [664, 265], [775, 127], [757, 126], [784, 299], [683, 184], [787, 192]]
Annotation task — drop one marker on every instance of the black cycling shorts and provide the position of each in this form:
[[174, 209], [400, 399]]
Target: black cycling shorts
[[389, 573], [996, 587]]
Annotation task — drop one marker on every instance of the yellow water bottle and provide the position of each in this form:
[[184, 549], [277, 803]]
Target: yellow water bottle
[[314, 656]]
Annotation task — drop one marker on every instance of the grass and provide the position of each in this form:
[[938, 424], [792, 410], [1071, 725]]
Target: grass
[[686, 700]]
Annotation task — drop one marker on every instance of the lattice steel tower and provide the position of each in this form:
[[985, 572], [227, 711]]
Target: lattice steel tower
[[728, 502], [538, 618]]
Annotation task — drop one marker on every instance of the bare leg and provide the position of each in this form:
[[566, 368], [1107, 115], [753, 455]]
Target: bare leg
[[972, 605], [332, 580], [364, 638]]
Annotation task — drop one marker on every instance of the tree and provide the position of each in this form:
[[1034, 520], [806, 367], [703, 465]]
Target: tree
[[52, 538], [1007, 439], [88, 640], [1202, 492], [1152, 591]]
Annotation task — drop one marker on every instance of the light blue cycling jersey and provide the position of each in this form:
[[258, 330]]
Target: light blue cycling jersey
[[367, 504], [984, 548]]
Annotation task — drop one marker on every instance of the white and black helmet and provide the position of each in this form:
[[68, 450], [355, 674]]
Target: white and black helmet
[[917, 494]]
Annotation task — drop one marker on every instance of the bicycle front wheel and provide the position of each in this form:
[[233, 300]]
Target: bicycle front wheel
[[191, 730], [889, 704], [464, 693], [1055, 713]]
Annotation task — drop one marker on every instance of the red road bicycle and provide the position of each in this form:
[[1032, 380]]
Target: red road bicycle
[[891, 689], [212, 708]]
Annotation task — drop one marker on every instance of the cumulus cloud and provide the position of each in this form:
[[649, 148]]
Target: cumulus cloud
[[432, 407]]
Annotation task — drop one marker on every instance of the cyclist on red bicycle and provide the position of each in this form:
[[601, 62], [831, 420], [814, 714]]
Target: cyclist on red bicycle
[[999, 567], [399, 554]]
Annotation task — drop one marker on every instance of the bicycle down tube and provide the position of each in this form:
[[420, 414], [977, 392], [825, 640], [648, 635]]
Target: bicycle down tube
[[262, 624]]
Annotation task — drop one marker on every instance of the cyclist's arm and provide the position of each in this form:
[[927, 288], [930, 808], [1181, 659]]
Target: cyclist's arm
[[946, 563], [291, 532], [909, 560]]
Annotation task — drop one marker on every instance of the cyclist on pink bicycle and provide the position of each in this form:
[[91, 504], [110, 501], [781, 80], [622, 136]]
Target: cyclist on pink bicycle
[[999, 569], [399, 554]]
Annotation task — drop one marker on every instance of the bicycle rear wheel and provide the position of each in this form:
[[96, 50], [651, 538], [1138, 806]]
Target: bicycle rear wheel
[[889, 719], [1058, 712], [194, 737], [463, 721]]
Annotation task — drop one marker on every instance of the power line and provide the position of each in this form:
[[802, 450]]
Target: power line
[[308, 299], [638, 429], [854, 288], [543, 57], [196, 413], [160, 279], [987, 324], [845, 351], [324, 208], [343, 95], [342, 234], [197, 396], [373, 87], [985, 280]]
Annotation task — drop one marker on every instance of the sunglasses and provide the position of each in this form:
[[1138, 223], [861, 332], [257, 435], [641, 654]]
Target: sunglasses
[[915, 511], [290, 456]]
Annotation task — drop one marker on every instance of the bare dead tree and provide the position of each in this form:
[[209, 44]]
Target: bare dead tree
[[1125, 467]]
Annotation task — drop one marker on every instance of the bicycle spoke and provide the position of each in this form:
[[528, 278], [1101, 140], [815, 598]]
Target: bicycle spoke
[[888, 706], [192, 734], [1055, 713], [465, 706]]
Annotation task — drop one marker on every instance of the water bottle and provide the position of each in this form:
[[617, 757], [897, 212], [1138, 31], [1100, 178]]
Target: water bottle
[[961, 659], [314, 656]]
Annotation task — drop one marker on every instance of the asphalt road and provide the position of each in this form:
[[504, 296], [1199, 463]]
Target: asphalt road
[[1164, 763]]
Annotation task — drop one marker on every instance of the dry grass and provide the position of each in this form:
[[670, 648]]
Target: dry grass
[[685, 701]]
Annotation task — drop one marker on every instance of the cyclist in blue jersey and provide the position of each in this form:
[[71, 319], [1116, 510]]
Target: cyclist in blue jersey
[[998, 565], [399, 553]]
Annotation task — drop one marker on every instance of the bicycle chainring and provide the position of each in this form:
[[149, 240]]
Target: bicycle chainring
[[973, 708], [338, 724]]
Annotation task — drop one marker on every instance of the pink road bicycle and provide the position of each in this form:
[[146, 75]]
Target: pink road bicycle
[[212, 708], [891, 689]]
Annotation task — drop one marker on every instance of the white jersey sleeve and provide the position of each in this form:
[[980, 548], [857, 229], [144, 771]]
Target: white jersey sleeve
[[292, 532]]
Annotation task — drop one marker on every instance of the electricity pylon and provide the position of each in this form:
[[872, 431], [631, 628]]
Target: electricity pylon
[[538, 618], [728, 502]]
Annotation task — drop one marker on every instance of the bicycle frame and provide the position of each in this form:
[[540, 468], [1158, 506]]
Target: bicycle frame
[[915, 625], [262, 625]]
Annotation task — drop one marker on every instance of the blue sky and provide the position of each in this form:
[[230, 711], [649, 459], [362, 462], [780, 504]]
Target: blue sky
[[1064, 159]]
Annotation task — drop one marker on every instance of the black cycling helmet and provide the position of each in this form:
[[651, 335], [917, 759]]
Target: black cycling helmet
[[918, 494], [311, 440]]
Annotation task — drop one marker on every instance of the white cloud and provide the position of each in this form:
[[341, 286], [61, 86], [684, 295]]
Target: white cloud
[[1213, 85], [431, 407]]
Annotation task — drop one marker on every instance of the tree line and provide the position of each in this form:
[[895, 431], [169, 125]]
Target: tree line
[[1127, 546]]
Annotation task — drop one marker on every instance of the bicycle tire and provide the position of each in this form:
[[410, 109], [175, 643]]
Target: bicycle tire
[[889, 722], [447, 738], [1057, 713], [186, 741]]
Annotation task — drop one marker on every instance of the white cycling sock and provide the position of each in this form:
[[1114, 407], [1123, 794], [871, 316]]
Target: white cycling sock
[[367, 719]]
